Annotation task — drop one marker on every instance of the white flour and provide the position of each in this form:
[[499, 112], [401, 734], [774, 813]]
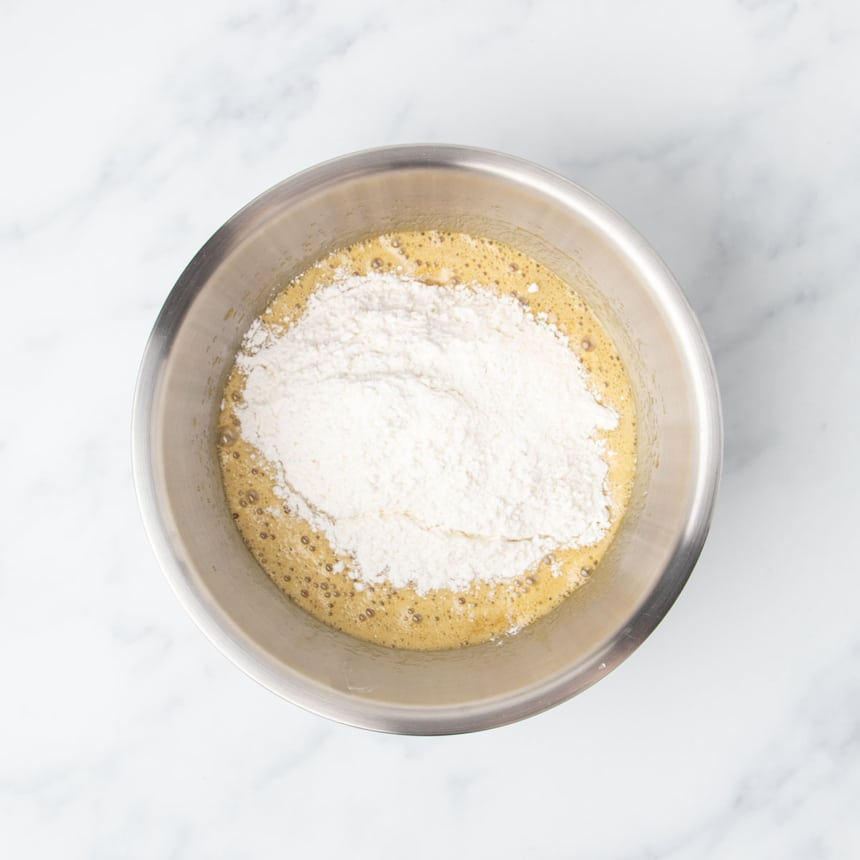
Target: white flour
[[436, 435]]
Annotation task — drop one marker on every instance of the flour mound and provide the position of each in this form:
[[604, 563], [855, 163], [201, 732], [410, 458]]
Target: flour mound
[[436, 435]]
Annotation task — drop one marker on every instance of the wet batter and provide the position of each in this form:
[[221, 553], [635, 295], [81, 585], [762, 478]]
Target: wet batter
[[300, 560]]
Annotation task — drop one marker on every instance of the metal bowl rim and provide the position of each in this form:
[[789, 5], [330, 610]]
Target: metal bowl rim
[[470, 716]]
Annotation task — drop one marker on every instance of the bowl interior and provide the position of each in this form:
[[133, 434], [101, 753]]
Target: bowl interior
[[191, 351]]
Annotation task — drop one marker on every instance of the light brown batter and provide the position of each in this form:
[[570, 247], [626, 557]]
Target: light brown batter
[[300, 560]]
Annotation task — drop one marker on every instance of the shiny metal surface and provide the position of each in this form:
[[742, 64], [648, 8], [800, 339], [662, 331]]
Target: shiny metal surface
[[232, 279]]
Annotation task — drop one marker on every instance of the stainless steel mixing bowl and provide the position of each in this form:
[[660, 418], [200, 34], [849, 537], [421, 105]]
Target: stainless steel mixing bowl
[[232, 279]]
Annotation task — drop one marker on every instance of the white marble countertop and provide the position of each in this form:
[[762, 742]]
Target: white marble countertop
[[728, 132]]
